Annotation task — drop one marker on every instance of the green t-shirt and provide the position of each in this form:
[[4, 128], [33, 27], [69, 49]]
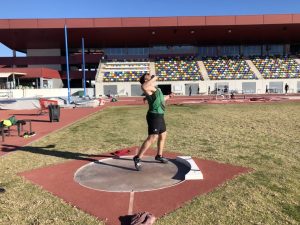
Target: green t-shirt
[[156, 102]]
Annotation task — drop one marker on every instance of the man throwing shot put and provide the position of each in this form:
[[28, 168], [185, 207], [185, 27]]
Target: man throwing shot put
[[155, 119]]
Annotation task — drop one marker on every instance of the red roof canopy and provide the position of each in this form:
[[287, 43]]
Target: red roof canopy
[[23, 34], [33, 72]]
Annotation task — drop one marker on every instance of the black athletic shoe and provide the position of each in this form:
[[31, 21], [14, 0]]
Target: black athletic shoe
[[2, 190], [137, 163], [161, 159]]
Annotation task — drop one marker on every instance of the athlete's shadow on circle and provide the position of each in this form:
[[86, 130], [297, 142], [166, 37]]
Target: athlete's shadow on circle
[[182, 169], [112, 165]]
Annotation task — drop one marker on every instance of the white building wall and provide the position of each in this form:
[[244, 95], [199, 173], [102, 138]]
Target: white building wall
[[179, 86], [57, 83], [124, 89], [34, 93]]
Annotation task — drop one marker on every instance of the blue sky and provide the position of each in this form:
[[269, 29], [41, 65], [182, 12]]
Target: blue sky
[[12, 9]]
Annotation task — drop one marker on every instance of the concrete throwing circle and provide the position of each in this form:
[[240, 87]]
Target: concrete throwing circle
[[120, 175]]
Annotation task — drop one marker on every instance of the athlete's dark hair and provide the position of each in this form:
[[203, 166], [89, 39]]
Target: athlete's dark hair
[[142, 78]]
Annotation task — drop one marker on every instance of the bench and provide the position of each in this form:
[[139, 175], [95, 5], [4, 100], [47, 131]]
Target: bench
[[6, 124], [194, 173], [13, 122]]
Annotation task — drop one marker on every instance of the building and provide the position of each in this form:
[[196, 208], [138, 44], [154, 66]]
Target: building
[[212, 50]]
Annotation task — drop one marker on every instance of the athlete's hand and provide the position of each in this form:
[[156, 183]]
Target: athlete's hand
[[171, 95], [144, 100]]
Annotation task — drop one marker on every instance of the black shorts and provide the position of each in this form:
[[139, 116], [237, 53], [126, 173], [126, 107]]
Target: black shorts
[[156, 123]]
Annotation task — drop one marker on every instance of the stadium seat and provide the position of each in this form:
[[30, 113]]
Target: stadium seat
[[223, 68], [277, 68], [177, 69], [122, 71]]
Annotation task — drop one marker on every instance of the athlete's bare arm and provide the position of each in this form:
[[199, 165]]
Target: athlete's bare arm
[[148, 87]]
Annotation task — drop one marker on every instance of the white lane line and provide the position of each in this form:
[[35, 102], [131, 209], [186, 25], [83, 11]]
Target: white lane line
[[131, 200]]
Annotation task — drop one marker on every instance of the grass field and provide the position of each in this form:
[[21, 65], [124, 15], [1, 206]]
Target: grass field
[[265, 137]]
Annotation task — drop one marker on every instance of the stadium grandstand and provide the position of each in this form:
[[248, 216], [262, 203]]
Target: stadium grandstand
[[253, 54]]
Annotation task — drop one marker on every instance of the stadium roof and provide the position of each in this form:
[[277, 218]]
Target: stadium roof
[[23, 34]]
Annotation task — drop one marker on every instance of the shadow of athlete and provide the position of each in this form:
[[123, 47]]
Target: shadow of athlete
[[155, 119], [50, 150], [2, 190]]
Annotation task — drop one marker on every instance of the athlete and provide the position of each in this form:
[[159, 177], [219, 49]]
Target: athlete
[[155, 119]]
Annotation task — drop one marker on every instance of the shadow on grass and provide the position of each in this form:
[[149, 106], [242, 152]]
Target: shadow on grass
[[50, 151], [292, 211]]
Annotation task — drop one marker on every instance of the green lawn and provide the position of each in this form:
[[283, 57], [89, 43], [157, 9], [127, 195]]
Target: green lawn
[[265, 137]]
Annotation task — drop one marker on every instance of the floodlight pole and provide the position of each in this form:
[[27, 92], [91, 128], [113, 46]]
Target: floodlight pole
[[67, 65], [83, 69]]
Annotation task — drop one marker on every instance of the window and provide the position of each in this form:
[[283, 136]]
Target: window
[[251, 50], [230, 50]]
